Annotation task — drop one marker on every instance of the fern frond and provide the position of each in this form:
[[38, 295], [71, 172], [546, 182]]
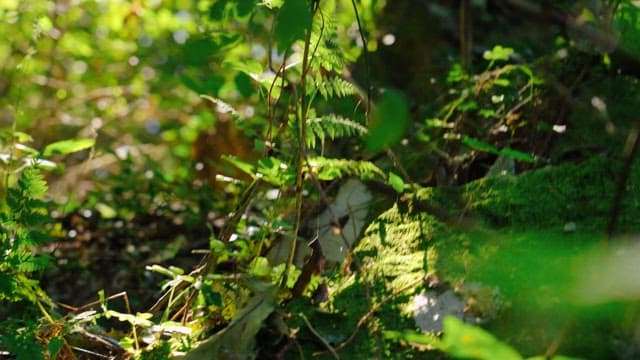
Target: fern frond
[[327, 55], [332, 127], [331, 169], [29, 263], [332, 86], [32, 183]]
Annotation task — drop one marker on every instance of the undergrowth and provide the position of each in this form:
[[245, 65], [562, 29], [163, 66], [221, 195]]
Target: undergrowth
[[321, 242]]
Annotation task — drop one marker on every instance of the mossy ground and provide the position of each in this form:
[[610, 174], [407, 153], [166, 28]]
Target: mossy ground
[[520, 244]]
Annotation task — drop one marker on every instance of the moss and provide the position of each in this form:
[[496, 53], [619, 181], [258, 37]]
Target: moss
[[556, 195], [394, 251], [401, 246], [392, 255]]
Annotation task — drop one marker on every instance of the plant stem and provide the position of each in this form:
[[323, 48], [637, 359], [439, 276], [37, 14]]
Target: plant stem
[[302, 135]]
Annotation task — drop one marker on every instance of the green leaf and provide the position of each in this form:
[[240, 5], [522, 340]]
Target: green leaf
[[161, 270], [273, 4], [479, 145], [243, 166], [294, 20], [498, 53], [467, 341], [250, 67], [54, 345], [518, 155], [275, 172], [330, 169], [67, 146], [211, 297], [22, 137], [413, 337], [106, 211], [140, 319], [510, 153], [396, 182], [260, 266], [558, 357], [40, 238], [34, 218], [501, 82], [32, 183], [244, 7], [389, 120]]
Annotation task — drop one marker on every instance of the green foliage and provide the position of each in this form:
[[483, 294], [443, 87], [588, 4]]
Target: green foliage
[[332, 127], [127, 82], [389, 121], [20, 339], [67, 146], [464, 341], [331, 169], [486, 112], [396, 182], [482, 146], [498, 53], [238, 338], [333, 86], [293, 23], [20, 232]]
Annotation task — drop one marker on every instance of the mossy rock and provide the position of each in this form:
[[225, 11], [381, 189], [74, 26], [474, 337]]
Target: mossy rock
[[521, 237], [556, 195]]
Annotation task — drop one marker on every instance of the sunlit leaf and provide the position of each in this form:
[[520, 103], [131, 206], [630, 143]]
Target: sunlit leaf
[[22, 137], [396, 182], [106, 211], [556, 357], [251, 67], [161, 270], [275, 172], [260, 267], [502, 82], [245, 167], [68, 146], [272, 4], [498, 53], [468, 341], [140, 319]]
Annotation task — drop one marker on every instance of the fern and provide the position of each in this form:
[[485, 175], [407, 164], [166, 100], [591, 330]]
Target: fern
[[327, 55], [22, 340], [333, 127], [332, 86], [19, 233], [330, 169]]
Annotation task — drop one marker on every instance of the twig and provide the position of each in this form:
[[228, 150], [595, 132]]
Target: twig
[[553, 347], [111, 297], [301, 114], [365, 53], [322, 340]]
